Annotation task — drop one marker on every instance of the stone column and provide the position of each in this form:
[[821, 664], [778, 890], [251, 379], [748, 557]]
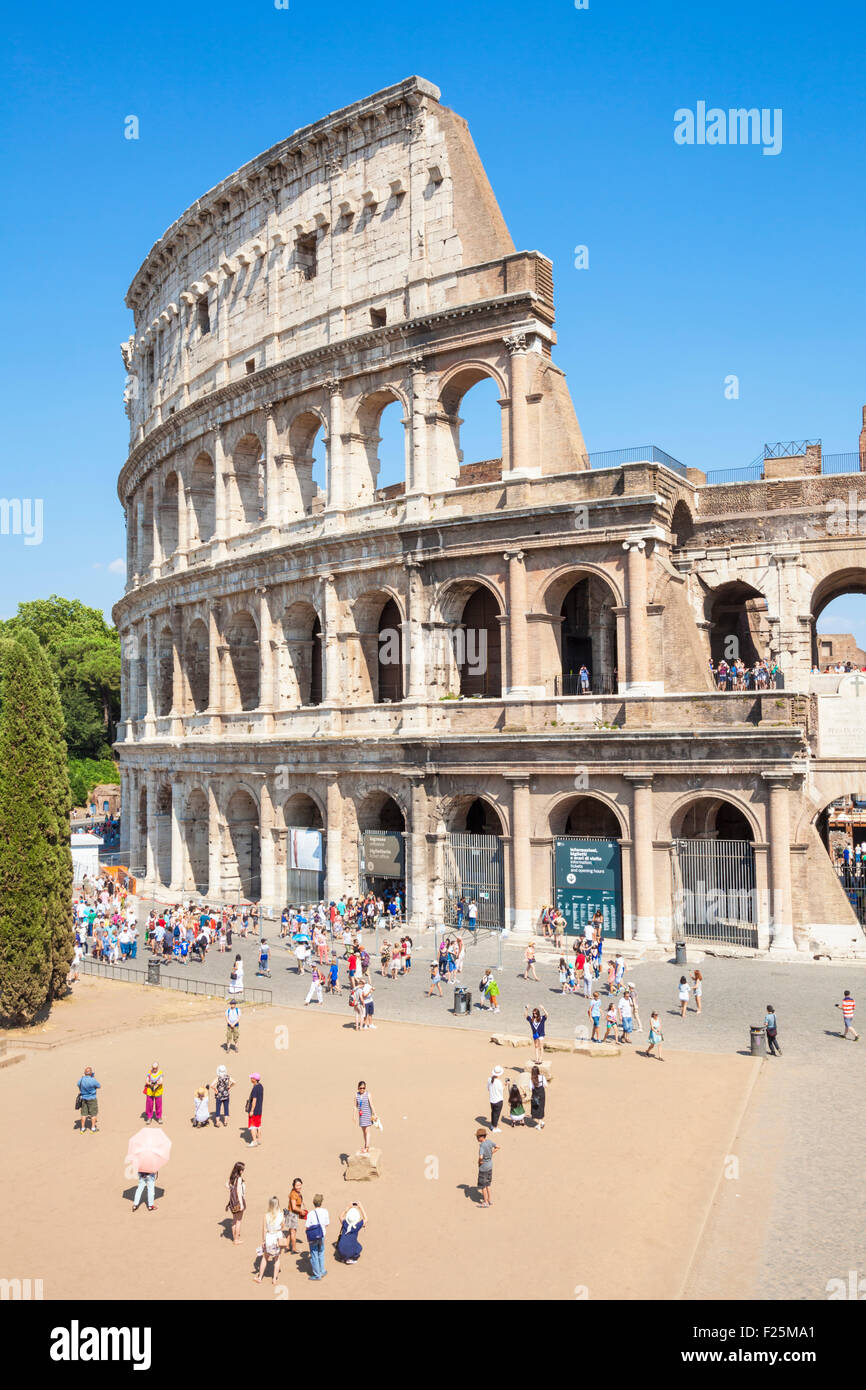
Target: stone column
[[273, 497], [182, 520], [179, 872], [522, 912], [150, 830], [266, 654], [781, 907], [418, 678], [519, 461], [334, 840], [336, 496], [214, 845], [417, 480], [638, 649], [268, 891], [418, 873], [152, 666], [517, 640], [330, 642], [643, 906], [220, 478]]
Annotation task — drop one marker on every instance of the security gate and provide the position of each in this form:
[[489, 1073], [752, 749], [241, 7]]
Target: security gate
[[473, 871], [715, 898]]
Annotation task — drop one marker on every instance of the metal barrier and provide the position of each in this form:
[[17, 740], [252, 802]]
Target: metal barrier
[[183, 984], [641, 453], [715, 896], [854, 889]]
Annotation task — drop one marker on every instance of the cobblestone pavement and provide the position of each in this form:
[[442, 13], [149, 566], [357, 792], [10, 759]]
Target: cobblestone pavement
[[794, 1215]]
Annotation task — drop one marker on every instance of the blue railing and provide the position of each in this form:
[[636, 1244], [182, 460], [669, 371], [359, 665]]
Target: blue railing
[[840, 463], [754, 472], [641, 453]]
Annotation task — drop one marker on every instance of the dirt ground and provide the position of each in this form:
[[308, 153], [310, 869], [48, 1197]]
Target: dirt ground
[[608, 1201]]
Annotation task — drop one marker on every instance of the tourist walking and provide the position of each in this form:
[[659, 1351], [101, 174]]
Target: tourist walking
[[352, 1222], [656, 1037], [683, 995], [698, 980], [146, 1183], [366, 1114], [489, 990], [848, 1006], [626, 1020], [295, 1212], [233, 1026], [153, 1092], [772, 1029], [631, 995], [236, 981], [538, 1102], [317, 1225], [315, 990], [237, 1202], [221, 1085], [88, 1101], [486, 1150], [497, 1098], [253, 1107], [369, 1006], [435, 979], [272, 1239], [594, 1012], [356, 1003], [537, 1020], [529, 957]]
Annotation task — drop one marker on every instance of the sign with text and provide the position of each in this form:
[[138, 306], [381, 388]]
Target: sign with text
[[382, 853], [587, 875]]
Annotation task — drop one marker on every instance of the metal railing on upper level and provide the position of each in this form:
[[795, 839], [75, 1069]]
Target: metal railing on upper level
[[754, 472], [641, 453]]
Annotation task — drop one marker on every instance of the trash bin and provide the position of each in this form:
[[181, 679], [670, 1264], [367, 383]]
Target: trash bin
[[758, 1041], [153, 972], [462, 1001], [681, 953]]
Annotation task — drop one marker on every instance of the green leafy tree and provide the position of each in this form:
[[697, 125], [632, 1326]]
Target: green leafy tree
[[35, 858]]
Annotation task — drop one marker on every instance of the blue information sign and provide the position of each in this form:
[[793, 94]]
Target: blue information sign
[[587, 876]]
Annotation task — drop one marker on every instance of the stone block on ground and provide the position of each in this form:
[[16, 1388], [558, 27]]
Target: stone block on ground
[[364, 1167], [590, 1049]]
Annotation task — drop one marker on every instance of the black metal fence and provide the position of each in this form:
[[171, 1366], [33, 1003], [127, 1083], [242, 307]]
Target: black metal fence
[[184, 984], [854, 888]]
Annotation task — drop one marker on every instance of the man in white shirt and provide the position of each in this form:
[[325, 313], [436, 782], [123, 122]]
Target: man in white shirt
[[317, 1220], [626, 1018], [472, 915], [494, 1091]]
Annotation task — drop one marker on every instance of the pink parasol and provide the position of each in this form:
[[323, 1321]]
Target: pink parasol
[[149, 1149]]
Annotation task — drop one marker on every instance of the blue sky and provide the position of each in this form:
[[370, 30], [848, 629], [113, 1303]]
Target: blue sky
[[703, 261]]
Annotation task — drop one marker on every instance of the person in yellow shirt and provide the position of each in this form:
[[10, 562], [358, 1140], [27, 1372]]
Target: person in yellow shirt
[[153, 1089]]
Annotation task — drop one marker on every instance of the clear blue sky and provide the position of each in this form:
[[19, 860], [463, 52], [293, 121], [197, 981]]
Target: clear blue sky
[[703, 261]]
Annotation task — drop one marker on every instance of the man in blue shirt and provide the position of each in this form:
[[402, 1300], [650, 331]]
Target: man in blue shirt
[[88, 1104]]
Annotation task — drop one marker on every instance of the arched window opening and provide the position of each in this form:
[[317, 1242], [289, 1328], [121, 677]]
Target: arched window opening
[[588, 639], [738, 624], [242, 863], [198, 665], [169, 516], [247, 501], [196, 833], [390, 654], [165, 673], [202, 508], [242, 640], [391, 451], [479, 636]]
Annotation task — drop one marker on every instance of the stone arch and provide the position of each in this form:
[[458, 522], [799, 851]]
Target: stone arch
[[682, 524], [165, 671], [581, 630], [478, 645], [170, 503], [378, 617], [300, 673], [303, 808], [474, 813], [365, 463], [585, 813], [849, 580], [242, 662], [380, 810], [737, 614], [454, 385], [196, 827], [202, 500], [705, 814], [307, 493], [196, 650], [241, 870], [246, 496]]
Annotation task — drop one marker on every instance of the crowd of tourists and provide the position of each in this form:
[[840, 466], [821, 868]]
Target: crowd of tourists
[[736, 675]]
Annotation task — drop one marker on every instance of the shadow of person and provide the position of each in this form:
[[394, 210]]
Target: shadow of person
[[226, 1225], [470, 1192]]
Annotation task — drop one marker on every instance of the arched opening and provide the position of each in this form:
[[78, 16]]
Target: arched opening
[[588, 650], [682, 525], [389, 655], [471, 430], [307, 485], [587, 865], [839, 622], [242, 683], [841, 827], [169, 516], [197, 654], [305, 850], [163, 833], [147, 534], [391, 452], [246, 490], [241, 877], [473, 865], [196, 834], [591, 817], [713, 864], [165, 673], [382, 850], [202, 499], [479, 643], [738, 624], [379, 453], [301, 661]]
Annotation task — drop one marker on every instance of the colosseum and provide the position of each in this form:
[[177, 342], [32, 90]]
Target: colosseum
[[492, 678]]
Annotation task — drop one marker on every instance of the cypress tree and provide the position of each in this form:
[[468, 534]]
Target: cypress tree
[[35, 859]]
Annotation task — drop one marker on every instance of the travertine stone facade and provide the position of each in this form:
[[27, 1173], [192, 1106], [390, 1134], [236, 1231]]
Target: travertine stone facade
[[355, 658]]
